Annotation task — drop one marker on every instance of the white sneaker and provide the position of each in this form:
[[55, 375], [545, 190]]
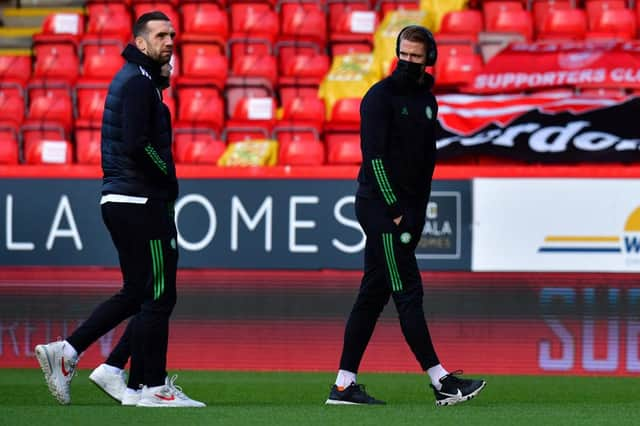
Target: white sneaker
[[109, 380], [131, 397], [169, 395], [58, 370]]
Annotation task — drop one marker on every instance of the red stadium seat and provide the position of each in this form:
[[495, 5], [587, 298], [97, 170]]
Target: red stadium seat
[[344, 120], [385, 6], [467, 23], [45, 143], [263, 66], [56, 62], [88, 150], [303, 22], [338, 14], [287, 93], [31, 132], [90, 99], [200, 107], [197, 146], [204, 20], [595, 8], [12, 107], [63, 23], [109, 19], [46, 151], [491, 9], [238, 47], [256, 20], [301, 151], [237, 88], [304, 70], [252, 118], [9, 151], [515, 21], [203, 61], [541, 9], [313, 67], [52, 106], [564, 24], [59, 29], [457, 65], [346, 111], [343, 148], [352, 31], [101, 64], [255, 109], [616, 23], [15, 68], [304, 111], [95, 44]]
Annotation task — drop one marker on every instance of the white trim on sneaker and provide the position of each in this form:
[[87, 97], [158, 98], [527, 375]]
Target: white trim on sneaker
[[167, 395]]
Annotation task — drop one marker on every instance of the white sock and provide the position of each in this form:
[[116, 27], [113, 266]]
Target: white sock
[[435, 374], [69, 351], [345, 378], [112, 369]]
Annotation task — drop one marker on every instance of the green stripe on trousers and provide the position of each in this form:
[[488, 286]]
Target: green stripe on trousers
[[392, 266], [158, 268]]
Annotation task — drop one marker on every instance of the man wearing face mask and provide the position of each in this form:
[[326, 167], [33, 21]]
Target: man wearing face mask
[[139, 189], [398, 141]]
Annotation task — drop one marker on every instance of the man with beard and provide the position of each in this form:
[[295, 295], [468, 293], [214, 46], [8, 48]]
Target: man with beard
[[138, 193], [398, 141]]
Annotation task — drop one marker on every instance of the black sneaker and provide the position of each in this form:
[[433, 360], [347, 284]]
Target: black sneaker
[[455, 390], [351, 395]]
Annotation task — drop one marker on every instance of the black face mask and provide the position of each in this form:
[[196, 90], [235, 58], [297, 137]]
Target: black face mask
[[409, 71]]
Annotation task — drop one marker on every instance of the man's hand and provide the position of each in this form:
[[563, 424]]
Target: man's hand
[[397, 220]]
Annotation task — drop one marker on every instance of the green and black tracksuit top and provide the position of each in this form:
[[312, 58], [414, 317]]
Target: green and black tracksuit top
[[136, 132], [398, 141]]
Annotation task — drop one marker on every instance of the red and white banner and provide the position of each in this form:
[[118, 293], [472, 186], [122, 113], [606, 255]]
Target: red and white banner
[[544, 65], [543, 127]]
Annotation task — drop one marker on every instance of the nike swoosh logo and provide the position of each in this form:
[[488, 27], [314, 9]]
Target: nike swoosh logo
[[457, 395], [65, 373], [165, 398]]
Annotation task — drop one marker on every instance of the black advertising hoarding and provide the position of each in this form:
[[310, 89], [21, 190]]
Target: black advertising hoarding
[[543, 128], [236, 224]]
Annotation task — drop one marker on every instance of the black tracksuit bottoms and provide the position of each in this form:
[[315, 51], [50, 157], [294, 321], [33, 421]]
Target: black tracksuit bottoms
[[145, 237], [390, 269]]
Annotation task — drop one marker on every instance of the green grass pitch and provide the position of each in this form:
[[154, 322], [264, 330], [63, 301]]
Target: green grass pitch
[[279, 398]]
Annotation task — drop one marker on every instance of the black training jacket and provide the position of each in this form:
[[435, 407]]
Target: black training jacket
[[398, 141], [136, 132]]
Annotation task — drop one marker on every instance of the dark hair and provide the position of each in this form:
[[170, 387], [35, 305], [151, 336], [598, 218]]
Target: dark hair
[[419, 34], [141, 24]]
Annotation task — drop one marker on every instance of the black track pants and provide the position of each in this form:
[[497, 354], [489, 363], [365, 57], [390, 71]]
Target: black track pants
[[146, 240], [390, 269]]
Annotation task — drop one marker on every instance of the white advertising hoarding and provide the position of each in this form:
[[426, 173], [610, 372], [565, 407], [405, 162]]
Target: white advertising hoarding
[[580, 225]]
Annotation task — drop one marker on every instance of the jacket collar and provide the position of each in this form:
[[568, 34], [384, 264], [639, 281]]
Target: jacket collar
[[135, 56]]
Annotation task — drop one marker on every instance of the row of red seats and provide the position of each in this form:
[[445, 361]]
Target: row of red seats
[[547, 20], [337, 23], [59, 62], [44, 145]]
